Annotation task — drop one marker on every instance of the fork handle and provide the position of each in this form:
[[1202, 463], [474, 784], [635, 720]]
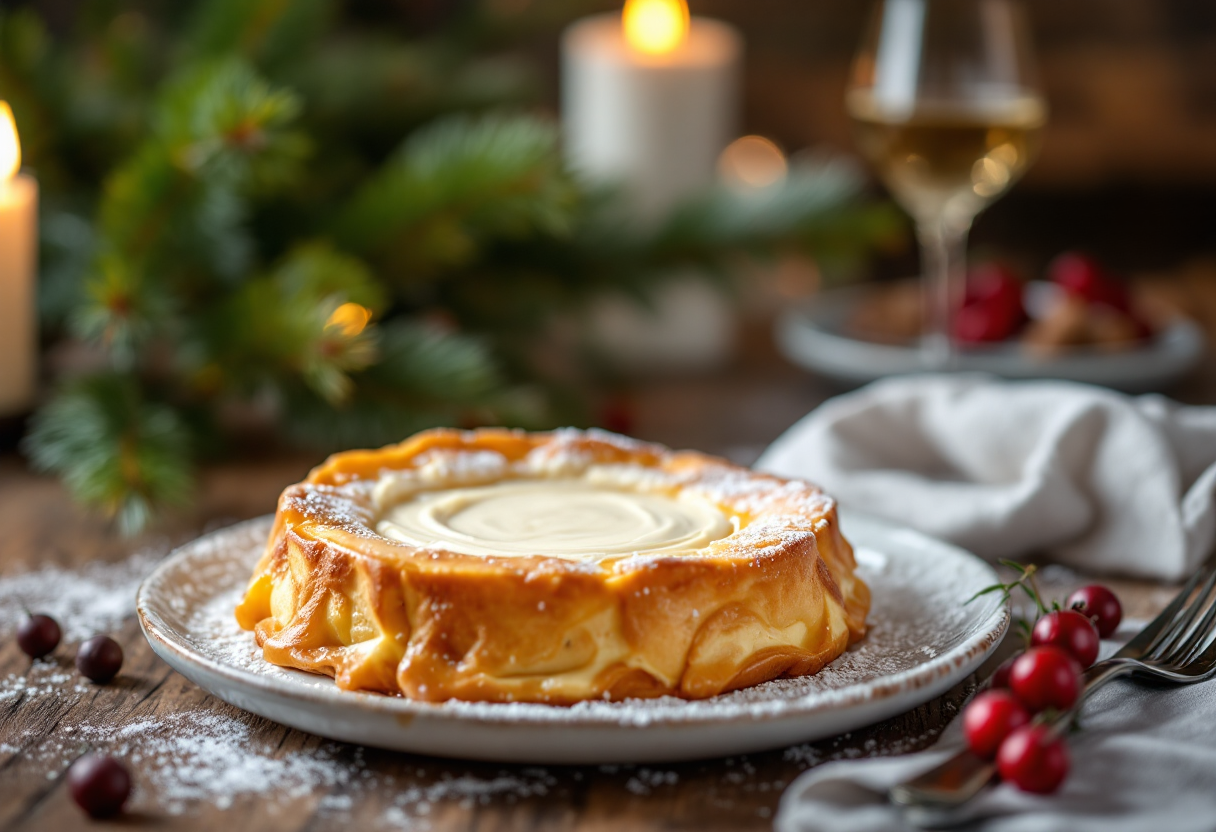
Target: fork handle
[[952, 783], [965, 775]]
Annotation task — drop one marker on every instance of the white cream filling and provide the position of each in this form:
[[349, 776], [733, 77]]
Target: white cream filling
[[568, 518]]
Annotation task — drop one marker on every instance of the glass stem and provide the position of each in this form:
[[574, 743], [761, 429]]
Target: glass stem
[[944, 256]]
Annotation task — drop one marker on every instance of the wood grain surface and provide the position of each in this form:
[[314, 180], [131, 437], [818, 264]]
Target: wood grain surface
[[734, 415]]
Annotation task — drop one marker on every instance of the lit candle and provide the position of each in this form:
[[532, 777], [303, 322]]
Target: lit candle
[[649, 99], [18, 248]]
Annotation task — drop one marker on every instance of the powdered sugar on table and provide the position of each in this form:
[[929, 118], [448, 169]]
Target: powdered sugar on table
[[85, 602]]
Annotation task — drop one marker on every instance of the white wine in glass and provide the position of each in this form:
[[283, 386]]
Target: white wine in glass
[[946, 110]]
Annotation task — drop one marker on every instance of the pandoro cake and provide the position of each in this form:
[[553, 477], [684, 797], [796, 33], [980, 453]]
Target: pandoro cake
[[499, 565]]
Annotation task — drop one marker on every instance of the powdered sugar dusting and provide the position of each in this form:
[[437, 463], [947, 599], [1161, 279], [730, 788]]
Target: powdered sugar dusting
[[46, 680], [91, 600], [212, 755], [467, 791]]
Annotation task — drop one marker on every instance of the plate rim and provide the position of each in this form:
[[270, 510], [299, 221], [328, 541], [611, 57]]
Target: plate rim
[[161, 636], [1172, 355]]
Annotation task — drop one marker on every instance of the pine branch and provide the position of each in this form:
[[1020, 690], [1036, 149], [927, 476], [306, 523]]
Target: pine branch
[[347, 80], [457, 184], [69, 253], [82, 100], [282, 328], [424, 379], [180, 202], [115, 450], [178, 208], [123, 310], [268, 32], [24, 40], [139, 197], [315, 270], [424, 365], [221, 120]]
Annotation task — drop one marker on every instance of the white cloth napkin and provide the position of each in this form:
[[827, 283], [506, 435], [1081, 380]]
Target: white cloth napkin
[[1145, 759], [1092, 478]]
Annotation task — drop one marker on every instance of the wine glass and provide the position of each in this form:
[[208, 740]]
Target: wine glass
[[946, 108]]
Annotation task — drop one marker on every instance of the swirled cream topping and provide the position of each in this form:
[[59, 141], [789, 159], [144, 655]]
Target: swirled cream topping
[[567, 518]]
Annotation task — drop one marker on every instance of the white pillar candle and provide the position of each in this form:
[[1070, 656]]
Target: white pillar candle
[[650, 110], [18, 253]]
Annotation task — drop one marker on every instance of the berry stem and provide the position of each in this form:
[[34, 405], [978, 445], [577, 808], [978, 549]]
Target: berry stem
[[1025, 581]]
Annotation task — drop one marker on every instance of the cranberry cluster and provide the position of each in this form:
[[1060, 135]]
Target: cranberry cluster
[[99, 784], [1001, 722], [992, 307], [1083, 277], [993, 310]]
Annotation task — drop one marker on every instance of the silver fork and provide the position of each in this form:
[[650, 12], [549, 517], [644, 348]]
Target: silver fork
[[1174, 646]]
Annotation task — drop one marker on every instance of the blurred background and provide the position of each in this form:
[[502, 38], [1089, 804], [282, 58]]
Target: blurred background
[[269, 227], [1127, 169]]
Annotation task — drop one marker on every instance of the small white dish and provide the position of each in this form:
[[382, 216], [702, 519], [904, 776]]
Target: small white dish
[[811, 337], [923, 639]]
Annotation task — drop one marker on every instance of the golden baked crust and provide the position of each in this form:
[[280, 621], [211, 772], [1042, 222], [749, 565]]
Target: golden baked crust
[[777, 597]]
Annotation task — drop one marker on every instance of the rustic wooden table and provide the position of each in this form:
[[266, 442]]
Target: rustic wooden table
[[48, 716]]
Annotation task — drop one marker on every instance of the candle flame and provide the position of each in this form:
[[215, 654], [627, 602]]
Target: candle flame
[[10, 147], [350, 318], [655, 26]]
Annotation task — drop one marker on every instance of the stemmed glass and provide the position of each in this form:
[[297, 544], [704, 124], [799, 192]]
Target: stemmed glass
[[947, 110]]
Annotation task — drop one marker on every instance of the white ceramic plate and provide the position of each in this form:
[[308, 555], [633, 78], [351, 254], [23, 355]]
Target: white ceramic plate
[[922, 641], [811, 337]]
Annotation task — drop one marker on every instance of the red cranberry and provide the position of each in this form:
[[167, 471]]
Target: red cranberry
[[1070, 631], [1099, 605], [989, 718], [1045, 677], [992, 307], [100, 785], [977, 324], [1082, 276], [1077, 273], [38, 635], [1033, 759], [1000, 676], [99, 658], [993, 283], [985, 322]]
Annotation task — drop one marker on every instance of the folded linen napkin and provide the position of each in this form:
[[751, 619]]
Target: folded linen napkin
[[1092, 478], [1145, 759]]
